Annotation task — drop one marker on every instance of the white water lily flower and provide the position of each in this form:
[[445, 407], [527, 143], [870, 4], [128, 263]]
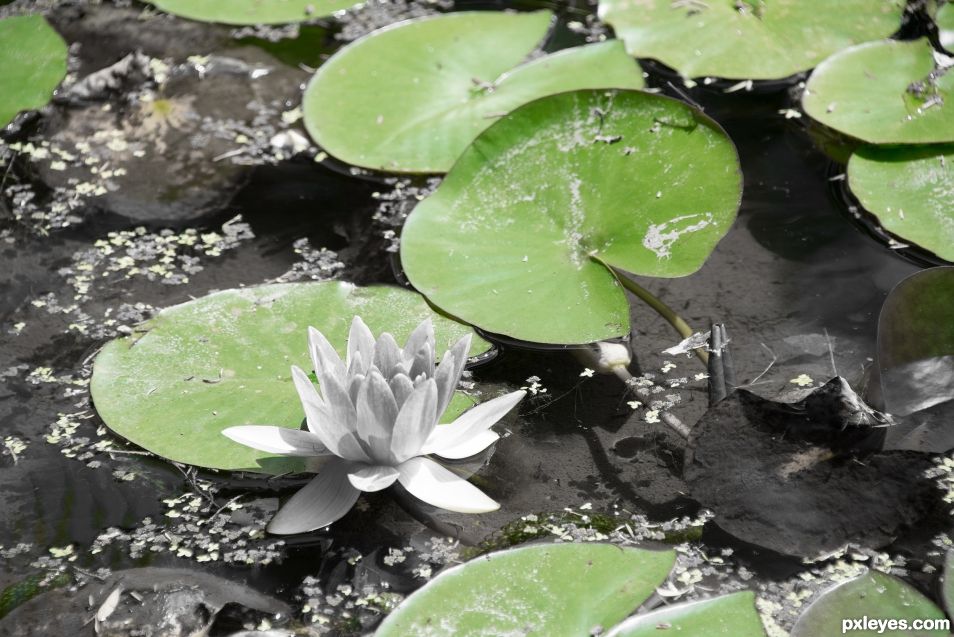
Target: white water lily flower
[[376, 419]]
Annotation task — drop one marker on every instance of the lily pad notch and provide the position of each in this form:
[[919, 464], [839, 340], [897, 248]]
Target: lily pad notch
[[531, 232], [409, 98]]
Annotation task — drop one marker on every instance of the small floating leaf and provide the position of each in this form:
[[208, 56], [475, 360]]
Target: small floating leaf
[[223, 360], [730, 616], [750, 39], [887, 92], [512, 239], [910, 189], [411, 97], [253, 11], [874, 596], [552, 589], [32, 64]]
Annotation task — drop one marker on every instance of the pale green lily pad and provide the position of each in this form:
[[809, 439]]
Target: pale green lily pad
[[514, 239], [910, 189], [32, 64], [873, 595], [747, 39], [223, 360], [945, 25], [864, 92], [555, 590], [411, 97], [253, 11], [729, 616]]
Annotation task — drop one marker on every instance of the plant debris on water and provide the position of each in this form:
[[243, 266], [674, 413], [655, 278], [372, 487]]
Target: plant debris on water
[[671, 404]]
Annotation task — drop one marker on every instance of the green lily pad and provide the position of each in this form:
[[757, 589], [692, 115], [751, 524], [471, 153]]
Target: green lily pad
[[253, 11], [32, 64], [910, 189], [945, 25], [411, 97], [730, 615], [516, 238], [874, 596], [881, 93], [223, 360], [552, 589], [916, 342], [748, 39]]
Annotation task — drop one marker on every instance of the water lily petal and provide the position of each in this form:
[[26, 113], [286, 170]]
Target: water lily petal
[[471, 446], [323, 355], [387, 355], [373, 478], [288, 442], [327, 498], [432, 483], [377, 411], [356, 365], [415, 421], [449, 371], [471, 423], [360, 340], [332, 419], [423, 362], [401, 387], [354, 386], [422, 334]]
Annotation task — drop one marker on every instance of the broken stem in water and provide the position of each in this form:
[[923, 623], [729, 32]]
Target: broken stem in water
[[656, 304]]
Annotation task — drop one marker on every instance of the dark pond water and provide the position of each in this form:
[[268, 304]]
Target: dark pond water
[[797, 283]]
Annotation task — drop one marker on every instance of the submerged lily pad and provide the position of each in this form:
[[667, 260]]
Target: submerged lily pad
[[916, 361], [552, 589], [253, 11], [886, 92], [873, 596], [799, 477], [167, 160], [916, 328], [516, 238], [750, 39], [411, 97], [910, 189], [223, 360], [32, 64], [730, 616]]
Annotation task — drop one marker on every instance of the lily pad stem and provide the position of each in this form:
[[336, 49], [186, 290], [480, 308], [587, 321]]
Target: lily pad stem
[[656, 304]]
